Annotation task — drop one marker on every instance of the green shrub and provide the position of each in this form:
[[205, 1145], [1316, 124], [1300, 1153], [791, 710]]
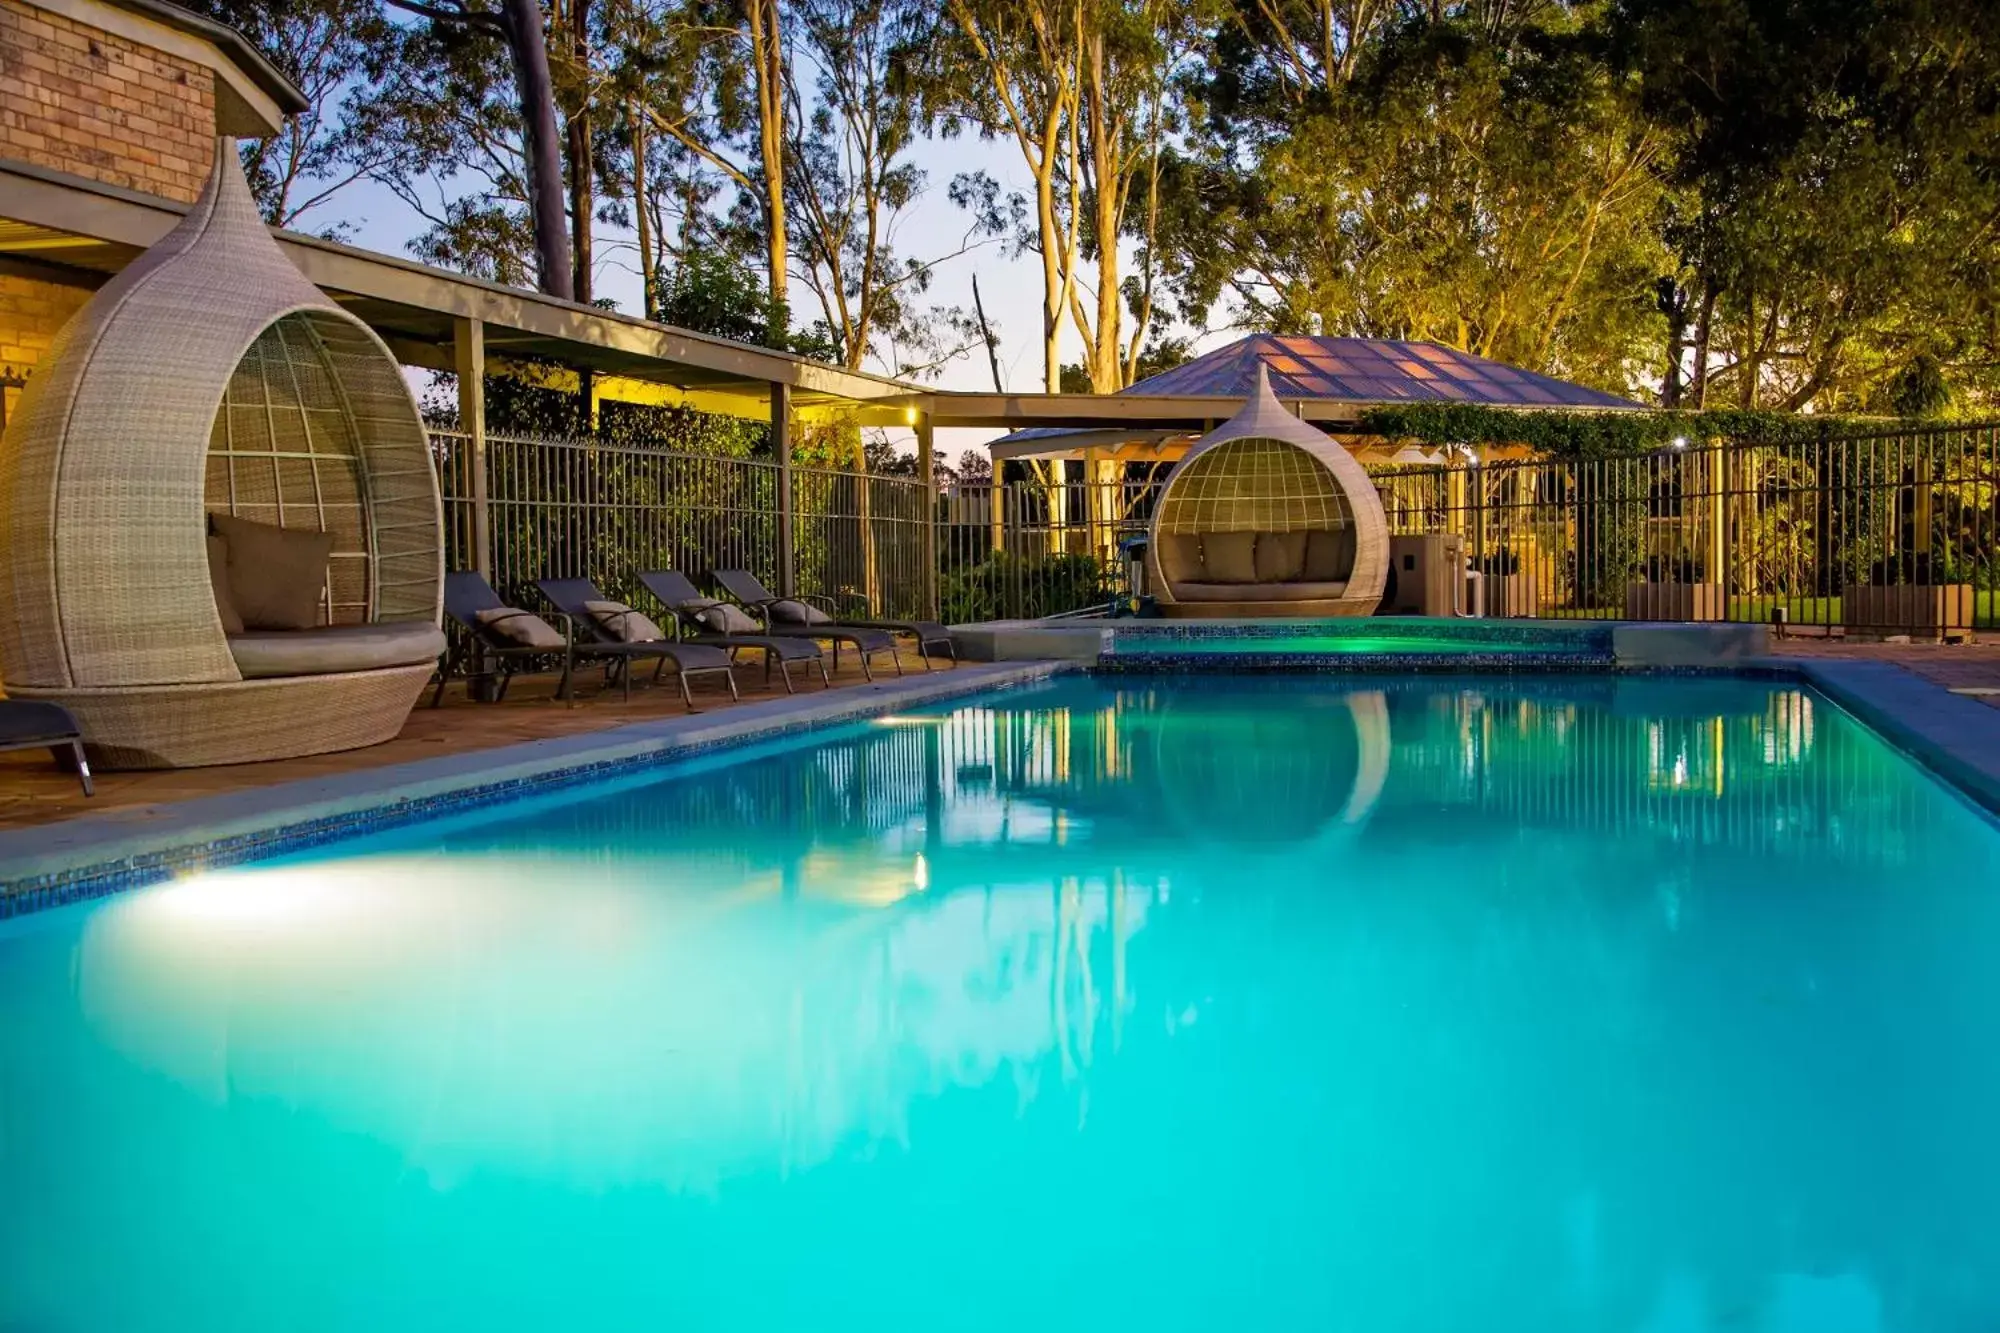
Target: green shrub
[[1013, 587]]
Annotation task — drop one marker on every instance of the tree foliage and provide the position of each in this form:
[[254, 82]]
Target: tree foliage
[[1788, 205], [1572, 435]]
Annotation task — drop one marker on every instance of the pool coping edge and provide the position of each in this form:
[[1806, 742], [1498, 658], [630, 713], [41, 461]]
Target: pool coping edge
[[1954, 738]]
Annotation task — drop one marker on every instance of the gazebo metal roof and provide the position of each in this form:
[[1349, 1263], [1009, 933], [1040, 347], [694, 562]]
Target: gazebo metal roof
[[1368, 370], [1328, 380]]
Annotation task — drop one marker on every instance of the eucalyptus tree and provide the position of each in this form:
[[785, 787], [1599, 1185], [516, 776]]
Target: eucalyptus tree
[[717, 88], [1839, 155], [1473, 174], [328, 48], [1085, 90], [853, 119], [450, 103]]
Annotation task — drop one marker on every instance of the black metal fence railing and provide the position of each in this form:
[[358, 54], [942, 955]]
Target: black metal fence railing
[[1896, 532], [1027, 549], [577, 507], [1888, 533]]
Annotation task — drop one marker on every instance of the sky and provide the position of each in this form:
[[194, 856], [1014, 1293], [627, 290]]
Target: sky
[[1010, 287]]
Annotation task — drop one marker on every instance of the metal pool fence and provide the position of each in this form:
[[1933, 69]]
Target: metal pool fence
[[1885, 533], [1894, 532], [1023, 550], [566, 507]]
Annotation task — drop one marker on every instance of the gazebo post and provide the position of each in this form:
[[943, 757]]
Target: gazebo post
[[468, 352]]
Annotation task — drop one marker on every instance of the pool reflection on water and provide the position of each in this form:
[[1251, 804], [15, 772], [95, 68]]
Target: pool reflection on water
[[1249, 1002]]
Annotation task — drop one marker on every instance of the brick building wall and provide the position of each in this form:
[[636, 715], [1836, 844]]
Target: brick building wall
[[78, 99], [30, 314]]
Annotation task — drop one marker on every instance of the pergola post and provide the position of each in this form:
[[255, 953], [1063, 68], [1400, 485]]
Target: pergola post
[[927, 473], [781, 449], [864, 521], [996, 503], [468, 351]]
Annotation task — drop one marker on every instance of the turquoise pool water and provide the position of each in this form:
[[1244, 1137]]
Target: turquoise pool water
[[1237, 1003]]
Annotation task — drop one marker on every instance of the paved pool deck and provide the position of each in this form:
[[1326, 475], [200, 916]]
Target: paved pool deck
[[121, 845]]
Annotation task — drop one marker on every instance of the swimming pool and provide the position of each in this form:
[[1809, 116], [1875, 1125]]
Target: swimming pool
[[1520, 1003]]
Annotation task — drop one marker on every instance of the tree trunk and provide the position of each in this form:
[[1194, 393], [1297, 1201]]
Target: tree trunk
[[1052, 287], [986, 335], [582, 196], [642, 216], [767, 49], [1749, 362], [1674, 305], [528, 46], [1105, 151], [1704, 323]]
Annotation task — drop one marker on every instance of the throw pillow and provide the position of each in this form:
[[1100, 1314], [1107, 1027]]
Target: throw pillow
[[1281, 557], [1329, 555], [726, 618], [276, 575], [521, 627], [1232, 556], [624, 624], [218, 582], [1180, 557]]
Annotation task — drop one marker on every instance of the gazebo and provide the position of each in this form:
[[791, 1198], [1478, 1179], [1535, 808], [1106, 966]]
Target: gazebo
[[1268, 516], [219, 522]]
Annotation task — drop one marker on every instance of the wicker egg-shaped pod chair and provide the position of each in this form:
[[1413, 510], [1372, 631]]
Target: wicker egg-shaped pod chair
[[210, 386], [1268, 516]]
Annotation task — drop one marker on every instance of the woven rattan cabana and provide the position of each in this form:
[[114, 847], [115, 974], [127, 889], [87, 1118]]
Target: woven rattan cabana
[[1268, 516], [210, 378]]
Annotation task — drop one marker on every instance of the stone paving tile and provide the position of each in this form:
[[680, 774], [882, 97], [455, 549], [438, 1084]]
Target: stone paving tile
[[33, 791], [1971, 669]]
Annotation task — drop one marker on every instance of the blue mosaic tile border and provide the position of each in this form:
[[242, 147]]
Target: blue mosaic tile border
[[79, 884], [1350, 664], [1581, 636]]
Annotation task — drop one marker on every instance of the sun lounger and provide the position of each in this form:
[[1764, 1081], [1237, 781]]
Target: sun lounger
[[467, 595], [29, 724], [568, 596], [786, 614], [685, 603]]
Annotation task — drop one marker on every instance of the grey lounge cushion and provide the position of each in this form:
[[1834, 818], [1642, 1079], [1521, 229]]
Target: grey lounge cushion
[[332, 648], [1258, 592], [1231, 557], [724, 618], [1281, 557], [521, 627], [218, 583], [276, 575], [799, 613], [1329, 554], [624, 624]]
